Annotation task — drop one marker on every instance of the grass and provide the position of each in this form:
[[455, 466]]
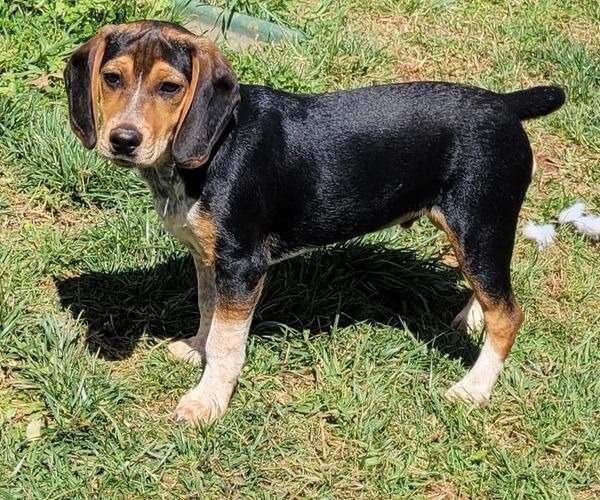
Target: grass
[[352, 348]]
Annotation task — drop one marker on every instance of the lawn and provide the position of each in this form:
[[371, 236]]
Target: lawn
[[352, 349]]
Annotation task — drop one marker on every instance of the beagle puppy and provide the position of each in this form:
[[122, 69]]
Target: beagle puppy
[[246, 175]]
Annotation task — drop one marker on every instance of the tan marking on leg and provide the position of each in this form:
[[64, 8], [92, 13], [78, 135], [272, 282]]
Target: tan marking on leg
[[205, 231], [502, 322], [239, 308], [193, 349], [438, 219], [225, 356]]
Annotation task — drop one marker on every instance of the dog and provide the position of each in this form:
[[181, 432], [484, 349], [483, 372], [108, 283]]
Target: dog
[[246, 176]]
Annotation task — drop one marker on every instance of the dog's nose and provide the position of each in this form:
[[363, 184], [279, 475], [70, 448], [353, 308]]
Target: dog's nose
[[124, 140]]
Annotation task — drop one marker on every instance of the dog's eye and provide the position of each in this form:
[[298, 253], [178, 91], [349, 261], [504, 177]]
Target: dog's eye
[[169, 88], [113, 79]]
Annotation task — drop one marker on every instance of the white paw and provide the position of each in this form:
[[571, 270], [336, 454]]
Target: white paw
[[195, 408], [185, 349], [465, 391], [470, 317]]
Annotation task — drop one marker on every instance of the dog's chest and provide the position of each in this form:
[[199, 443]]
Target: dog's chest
[[173, 206]]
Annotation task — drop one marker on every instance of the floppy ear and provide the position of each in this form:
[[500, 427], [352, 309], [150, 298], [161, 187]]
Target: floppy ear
[[213, 95], [81, 77]]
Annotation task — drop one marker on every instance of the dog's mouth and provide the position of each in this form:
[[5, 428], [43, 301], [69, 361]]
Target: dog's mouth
[[122, 160], [142, 157]]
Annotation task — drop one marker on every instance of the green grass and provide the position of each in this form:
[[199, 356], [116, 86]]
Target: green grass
[[351, 347]]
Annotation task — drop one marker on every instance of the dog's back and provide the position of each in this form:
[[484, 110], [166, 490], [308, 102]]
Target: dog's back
[[332, 166]]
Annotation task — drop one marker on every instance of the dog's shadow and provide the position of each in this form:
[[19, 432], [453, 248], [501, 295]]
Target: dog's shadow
[[341, 285]]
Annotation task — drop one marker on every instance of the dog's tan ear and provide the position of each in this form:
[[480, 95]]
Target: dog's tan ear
[[213, 94], [82, 80]]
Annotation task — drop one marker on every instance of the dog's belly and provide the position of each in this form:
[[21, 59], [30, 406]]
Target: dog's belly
[[280, 251], [320, 229]]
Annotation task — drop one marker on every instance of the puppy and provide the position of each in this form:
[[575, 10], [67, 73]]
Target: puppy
[[246, 176]]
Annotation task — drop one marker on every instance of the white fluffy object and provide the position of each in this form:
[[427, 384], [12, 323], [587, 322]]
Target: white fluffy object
[[585, 224], [571, 214], [542, 234], [588, 225]]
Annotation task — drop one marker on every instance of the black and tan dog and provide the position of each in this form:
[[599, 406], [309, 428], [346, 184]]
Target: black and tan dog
[[246, 176]]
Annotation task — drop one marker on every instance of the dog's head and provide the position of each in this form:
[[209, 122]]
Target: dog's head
[[148, 92]]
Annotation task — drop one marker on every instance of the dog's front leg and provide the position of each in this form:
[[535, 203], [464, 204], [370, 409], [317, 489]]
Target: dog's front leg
[[193, 349], [237, 292]]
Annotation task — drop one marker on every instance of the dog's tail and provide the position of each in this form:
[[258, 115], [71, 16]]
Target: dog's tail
[[534, 102]]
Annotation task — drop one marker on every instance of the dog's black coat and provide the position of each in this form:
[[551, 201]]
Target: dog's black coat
[[296, 171], [247, 175]]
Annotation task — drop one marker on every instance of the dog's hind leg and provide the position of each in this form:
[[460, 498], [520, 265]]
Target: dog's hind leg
[[193, 349], [503, 318], [484, 252]]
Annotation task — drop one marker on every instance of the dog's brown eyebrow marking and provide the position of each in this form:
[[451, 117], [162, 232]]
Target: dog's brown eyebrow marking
[[122, 64], [148, 43]]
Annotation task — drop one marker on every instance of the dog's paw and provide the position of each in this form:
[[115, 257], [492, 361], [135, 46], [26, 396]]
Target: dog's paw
[[185, 349], [470, 393], [194, 408], [470, 318]]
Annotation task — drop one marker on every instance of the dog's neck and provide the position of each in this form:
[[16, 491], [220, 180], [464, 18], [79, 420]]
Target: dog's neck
[[168, 189]]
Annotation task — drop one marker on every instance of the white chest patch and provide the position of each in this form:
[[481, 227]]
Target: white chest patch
[[174, 207]]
